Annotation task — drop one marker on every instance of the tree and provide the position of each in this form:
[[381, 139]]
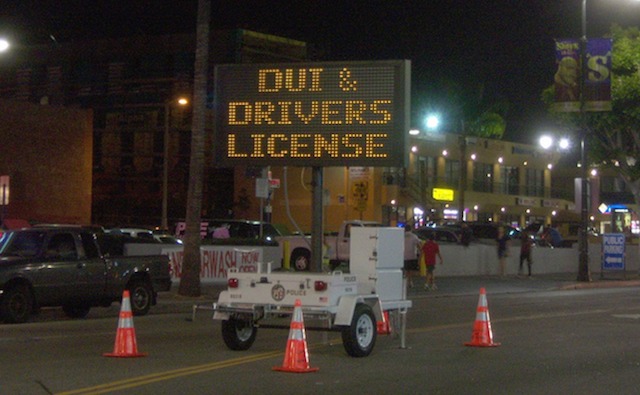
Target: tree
[[614, 136], [466, 107], [190, 277]]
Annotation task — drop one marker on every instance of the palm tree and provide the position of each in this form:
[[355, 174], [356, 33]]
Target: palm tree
[[190, 277]]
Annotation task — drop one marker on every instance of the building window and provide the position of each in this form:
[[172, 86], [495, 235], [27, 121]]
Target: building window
[[509, 180], [482, 177], [427, 171], [535, 183], [452, 173]]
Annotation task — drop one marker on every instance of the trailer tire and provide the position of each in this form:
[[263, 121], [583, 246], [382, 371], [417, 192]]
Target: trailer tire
[[360, 337], [238, 334]]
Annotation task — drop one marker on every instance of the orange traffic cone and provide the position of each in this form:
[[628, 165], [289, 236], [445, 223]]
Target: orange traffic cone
[[482, 336], [296, 356], [126, 345], [384, 327]]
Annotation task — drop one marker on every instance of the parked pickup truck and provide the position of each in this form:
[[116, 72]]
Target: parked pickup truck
[[75, 268]]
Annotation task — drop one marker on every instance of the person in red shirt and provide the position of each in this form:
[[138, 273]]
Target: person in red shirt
[[431, 250]]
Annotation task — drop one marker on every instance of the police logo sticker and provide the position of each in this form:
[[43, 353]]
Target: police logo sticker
[[277, 292]]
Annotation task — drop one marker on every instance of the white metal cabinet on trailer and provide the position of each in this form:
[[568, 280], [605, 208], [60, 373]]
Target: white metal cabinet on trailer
[[377, 260]]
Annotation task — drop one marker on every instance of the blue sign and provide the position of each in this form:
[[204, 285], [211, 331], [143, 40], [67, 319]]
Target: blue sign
[[613, 251]]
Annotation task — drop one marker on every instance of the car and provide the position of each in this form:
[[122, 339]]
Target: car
[[239, 229], [143, 234], [486, 232], [442, 234]]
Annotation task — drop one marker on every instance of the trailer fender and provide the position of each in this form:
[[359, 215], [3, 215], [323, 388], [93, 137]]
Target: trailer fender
[[223, 299], [347, 305]]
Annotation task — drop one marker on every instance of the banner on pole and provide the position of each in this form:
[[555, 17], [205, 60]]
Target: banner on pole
[[597, 84]]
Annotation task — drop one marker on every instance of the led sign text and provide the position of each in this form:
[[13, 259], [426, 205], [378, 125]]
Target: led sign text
[[324, 114]]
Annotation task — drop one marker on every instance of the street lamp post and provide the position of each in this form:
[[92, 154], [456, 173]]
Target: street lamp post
[[583, 265], [165, 161]]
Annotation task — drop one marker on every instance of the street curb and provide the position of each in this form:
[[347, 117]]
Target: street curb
[[601, 284]]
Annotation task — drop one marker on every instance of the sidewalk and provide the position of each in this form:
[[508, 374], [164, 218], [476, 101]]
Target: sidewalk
[[512, 284]]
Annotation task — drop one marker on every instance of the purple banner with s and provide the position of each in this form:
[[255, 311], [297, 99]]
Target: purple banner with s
[[566, 81]]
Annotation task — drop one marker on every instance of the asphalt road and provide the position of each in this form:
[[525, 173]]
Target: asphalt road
[[555, 335]]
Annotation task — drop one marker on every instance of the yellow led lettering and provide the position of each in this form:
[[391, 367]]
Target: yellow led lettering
[[332, 146], [284, 113], [245, 112], [306, 118], [231, 148], [257, 145], [353, 110], [271, 146], [345, 81], [386, 115], [355, 148], [269, 80], [289, 80], [328, 111], [315, 80], [297, 145], [371, 145], [274, 80], [262, 113]]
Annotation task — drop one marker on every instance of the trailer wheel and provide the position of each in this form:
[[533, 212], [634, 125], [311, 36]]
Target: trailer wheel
[[301, 259], [359, 338], [238, 334]]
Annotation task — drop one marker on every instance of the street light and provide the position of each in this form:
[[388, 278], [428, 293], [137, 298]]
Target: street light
[[165, 162], [4, 45]]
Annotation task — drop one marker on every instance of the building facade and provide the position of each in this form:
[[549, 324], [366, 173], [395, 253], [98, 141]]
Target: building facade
[[131, 85]]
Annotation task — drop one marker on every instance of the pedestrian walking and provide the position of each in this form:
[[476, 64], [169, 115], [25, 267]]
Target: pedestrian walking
[[503, 250], [466, 234], [430, 250], [525, 251]]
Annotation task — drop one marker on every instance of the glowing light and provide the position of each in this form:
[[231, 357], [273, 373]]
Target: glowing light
[[546, 141], [432, 121]]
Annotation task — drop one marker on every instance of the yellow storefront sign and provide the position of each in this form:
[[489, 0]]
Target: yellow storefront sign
[[443, 194]]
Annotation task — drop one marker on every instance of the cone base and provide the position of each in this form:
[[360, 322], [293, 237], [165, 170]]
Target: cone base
[[294, 370], [482, 344], [116, 355]]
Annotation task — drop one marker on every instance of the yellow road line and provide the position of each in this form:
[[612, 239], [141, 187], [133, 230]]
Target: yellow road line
[[171, 374]]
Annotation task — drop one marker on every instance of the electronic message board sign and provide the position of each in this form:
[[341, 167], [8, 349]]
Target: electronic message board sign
[[312, 114]]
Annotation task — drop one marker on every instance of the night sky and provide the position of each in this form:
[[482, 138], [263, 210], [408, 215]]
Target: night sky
[[504, 46]]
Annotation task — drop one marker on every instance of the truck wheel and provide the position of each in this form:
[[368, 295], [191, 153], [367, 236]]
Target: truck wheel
[[76, 310], [17, 304], [359, 338], [238, 334], [301, 260], [141, 295]]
